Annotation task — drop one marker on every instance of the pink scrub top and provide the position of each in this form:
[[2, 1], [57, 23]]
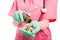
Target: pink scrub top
[[34, 8]]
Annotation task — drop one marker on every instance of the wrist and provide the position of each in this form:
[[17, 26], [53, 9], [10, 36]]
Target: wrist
[[44, 24], [16, 23]]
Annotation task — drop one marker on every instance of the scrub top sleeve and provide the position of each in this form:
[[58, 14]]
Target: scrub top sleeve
[[51, 14], [13, 8]]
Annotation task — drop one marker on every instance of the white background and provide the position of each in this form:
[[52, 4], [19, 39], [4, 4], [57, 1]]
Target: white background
[[8, 31]]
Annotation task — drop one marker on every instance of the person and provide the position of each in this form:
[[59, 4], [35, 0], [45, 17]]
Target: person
[[34, 8]]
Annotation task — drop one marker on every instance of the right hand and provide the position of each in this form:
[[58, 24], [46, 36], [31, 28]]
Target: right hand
[[15, 23], [21, 16]]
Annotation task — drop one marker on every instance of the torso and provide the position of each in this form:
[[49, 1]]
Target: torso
[[35, 13]]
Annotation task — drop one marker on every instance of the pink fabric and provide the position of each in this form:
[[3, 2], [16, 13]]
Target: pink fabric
[[51, 6]]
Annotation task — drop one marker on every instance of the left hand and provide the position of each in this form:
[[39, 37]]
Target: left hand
[[26, 29], [44, 23]]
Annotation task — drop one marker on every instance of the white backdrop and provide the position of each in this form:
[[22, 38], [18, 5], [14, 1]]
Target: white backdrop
[[8, 31]]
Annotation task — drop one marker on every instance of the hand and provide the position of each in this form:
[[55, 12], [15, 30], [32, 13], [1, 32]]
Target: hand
[[31, 29], [36, 25], [18, 16], [15, 23], [21, 16]]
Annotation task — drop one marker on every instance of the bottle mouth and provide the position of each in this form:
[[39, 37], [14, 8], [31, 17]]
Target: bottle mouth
[[28, 20]]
